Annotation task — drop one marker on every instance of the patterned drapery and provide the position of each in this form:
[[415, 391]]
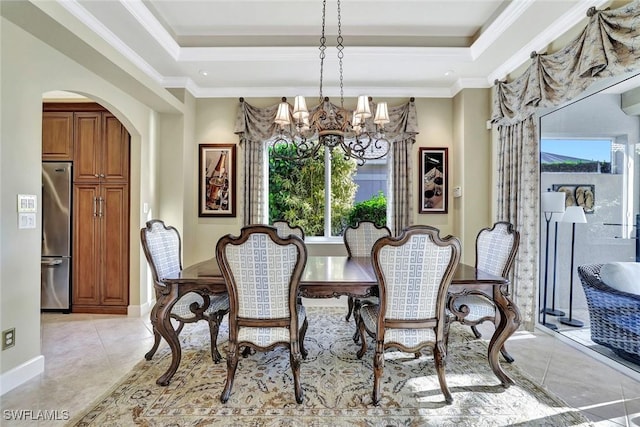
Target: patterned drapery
[[608, 46], [255, 126]]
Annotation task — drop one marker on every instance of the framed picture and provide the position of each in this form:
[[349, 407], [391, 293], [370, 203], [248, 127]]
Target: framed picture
[[578, 195], [433, 180], [217, 180]]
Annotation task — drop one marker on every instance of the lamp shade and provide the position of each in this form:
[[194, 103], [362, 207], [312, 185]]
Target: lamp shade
[[382, 114], [552, 201], [362, 109], [282, 117], [300, 111], [574, 214]]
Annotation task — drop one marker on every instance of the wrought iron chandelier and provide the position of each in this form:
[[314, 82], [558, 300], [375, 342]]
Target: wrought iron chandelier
[[359, 137]]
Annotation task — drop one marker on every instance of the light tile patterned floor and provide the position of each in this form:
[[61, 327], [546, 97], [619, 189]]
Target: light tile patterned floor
[[86, 354]]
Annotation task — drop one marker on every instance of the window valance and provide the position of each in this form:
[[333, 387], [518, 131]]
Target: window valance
[[608, 46], [257, 124]]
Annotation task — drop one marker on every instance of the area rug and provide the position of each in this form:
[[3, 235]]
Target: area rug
[[337, 387]]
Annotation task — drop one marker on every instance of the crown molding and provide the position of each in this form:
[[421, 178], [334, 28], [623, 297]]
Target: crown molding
[[143, 15]]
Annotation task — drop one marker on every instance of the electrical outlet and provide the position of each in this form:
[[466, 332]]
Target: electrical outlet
[[8, 338]]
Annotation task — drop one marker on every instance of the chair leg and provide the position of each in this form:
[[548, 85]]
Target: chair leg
[[214, 327], [363, 340], [507, 357], [156, 343], [378, 368], [295, 360], [350, 308], [303, 333], [232, 365], [476, 332], [357, 305], [439, 356]]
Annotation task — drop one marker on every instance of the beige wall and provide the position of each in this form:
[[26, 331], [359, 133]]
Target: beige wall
[[30, 68]]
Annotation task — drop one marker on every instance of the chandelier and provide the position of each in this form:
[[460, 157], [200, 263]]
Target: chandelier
[[359, 137]]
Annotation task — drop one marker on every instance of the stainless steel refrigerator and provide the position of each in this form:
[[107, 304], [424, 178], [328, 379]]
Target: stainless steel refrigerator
[[56, 236]]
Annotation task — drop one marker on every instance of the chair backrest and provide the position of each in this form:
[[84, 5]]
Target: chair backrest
[[359, 239], [414, 272], [162, 247], [496, 248], [262, 271], [285, 229]]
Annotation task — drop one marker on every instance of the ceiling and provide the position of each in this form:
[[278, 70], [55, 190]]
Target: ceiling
[[393, 48]]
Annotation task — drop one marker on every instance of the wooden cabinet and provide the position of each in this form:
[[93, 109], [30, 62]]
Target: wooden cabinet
[[101, 148], [100, 153], [57, 135], [101, 248]]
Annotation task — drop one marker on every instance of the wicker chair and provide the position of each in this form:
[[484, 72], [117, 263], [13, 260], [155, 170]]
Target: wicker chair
[[614, 315], [359, 240], [162, 247], [414, 272], [262, 271]]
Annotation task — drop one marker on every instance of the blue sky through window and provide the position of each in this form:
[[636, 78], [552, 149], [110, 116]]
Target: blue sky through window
[[588, 149]]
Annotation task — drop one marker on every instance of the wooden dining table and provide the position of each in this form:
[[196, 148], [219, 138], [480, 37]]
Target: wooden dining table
[[329, 277]]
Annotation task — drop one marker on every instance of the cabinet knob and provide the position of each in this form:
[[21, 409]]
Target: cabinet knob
[[97, 176], [102, 175]]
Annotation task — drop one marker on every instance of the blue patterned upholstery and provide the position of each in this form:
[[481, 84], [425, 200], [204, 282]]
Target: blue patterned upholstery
[[414, 272], [285, 229], [162, 247], [359, 241], [262, 271]]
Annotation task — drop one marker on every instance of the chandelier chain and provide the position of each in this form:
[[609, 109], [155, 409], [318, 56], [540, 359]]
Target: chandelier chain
[[323, 46], [340, 48]]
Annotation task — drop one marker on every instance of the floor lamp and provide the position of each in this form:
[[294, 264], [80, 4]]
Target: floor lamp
[[551, 202], [574, 215], [556, 217]]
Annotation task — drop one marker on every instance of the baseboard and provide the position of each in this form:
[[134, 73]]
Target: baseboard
[[21, 374], [140, 310]]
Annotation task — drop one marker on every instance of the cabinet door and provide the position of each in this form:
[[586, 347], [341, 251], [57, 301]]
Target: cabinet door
[[114, 229], [87, 146], [57, 136], [86, 237], [115, 150]]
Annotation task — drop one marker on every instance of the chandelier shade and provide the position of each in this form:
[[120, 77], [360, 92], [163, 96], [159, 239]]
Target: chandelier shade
[[359, 137]]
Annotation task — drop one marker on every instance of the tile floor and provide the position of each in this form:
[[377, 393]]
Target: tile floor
[[87, 354]]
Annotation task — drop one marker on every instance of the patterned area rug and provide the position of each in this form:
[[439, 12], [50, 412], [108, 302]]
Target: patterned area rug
[[337, 387]]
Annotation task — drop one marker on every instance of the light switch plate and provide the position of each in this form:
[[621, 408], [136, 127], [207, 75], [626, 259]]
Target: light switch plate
[[27, 203], [26, 220]]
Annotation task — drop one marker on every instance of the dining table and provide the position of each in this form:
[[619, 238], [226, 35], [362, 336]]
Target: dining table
[[329, 277]]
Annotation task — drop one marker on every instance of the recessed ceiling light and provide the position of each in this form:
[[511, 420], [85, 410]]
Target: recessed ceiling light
[[204, 73], [449, 73]]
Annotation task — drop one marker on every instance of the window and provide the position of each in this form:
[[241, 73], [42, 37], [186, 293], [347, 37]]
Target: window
[[325, 194], [581, 155]]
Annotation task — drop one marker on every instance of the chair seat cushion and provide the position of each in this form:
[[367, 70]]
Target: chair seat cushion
[[406, 337], [479, 307], [217, 303], [265, 337], [622, 276]]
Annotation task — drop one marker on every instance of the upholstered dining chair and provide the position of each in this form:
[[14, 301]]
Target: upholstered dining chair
[[496, 249], [414, 272], [163, 248], [262, 271], [285, 228], [359, 240]]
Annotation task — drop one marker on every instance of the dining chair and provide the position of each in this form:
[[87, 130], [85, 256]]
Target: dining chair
[[359, 240], [496, 249], [162, 247], [414, 272], [262, 272], [285, 228]]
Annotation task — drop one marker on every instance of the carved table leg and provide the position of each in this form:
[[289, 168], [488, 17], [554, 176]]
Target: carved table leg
[[509, 323], [162, 323]]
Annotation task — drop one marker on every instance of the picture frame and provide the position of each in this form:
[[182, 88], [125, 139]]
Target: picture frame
[[217, 180], [578, 195], [433, 182]]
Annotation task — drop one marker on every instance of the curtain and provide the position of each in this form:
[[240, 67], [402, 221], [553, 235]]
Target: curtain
[[608, 46], [255, 126]]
